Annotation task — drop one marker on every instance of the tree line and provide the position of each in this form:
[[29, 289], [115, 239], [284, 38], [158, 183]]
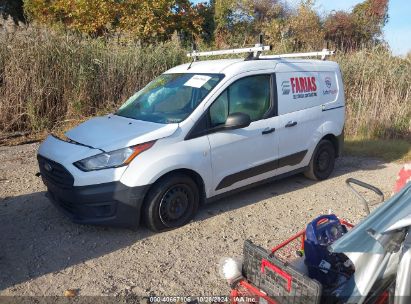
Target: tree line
[[220, 23]]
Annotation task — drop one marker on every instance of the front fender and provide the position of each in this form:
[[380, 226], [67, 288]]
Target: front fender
[[166, 156]]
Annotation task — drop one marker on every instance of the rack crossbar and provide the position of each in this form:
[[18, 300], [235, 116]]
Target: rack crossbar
[[231, 51], [324, 53]]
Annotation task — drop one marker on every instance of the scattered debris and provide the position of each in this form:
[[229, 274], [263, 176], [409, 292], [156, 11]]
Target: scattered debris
[[70, 293]]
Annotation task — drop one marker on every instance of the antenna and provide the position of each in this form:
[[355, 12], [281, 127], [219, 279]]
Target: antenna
[[194, 58]]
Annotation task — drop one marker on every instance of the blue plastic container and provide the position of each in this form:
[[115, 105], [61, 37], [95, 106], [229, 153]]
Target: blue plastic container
[[321, 233]]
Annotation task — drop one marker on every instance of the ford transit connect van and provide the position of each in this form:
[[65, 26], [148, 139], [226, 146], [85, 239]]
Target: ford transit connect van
[[197, 132]]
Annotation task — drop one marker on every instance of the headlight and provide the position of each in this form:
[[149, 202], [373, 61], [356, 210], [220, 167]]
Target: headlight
[[112, 159]]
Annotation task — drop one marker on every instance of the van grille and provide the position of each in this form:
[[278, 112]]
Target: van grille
[[54, 172]]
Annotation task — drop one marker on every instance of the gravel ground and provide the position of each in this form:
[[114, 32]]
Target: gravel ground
[[43, 253]]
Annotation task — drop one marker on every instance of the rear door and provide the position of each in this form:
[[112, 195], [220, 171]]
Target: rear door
[[299, 110], [243, 156]]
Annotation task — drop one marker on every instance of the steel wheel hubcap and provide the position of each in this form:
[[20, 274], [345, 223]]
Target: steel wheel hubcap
[[174, 205], [323, 161]]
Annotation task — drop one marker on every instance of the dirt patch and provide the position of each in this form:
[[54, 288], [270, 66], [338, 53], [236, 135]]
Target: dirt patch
[[43, 253]]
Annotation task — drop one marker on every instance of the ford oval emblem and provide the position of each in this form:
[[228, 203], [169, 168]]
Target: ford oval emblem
[[48, 167]]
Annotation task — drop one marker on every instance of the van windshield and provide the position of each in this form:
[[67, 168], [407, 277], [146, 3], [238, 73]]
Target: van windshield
[[170, 98]]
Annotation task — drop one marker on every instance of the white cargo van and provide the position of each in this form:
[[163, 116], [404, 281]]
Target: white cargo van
[[197, 132]]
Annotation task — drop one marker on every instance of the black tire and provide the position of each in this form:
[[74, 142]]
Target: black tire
[[322, 162], [172, 202]]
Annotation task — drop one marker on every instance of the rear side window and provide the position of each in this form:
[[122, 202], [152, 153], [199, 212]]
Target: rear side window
[[249, 95], [297, 91]]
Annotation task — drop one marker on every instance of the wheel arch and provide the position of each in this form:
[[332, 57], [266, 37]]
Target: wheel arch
[[195, 176], [336, 142]]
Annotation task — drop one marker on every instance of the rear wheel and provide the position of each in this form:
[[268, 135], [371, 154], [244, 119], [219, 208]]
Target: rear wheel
[[322, 162], [172, 202]]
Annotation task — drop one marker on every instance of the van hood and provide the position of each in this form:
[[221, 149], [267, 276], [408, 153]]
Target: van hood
[[114, 132]]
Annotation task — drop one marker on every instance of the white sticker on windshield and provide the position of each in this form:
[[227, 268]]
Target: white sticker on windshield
[[197, 81]]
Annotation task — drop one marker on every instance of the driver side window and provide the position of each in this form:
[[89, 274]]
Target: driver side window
[[249, 95]]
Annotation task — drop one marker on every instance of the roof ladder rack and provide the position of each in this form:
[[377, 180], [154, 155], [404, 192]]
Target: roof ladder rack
[[254, 53]]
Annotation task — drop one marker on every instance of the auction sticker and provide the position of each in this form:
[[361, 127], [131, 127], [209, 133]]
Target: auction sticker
[[197, 81]]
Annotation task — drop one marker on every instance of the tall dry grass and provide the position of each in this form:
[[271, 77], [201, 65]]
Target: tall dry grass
[[48, 80], [378, 94]]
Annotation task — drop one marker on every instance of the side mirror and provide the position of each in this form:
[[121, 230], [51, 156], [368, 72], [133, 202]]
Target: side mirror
[[237, 121]]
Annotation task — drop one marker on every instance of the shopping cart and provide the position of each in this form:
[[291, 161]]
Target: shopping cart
[[279, 276]]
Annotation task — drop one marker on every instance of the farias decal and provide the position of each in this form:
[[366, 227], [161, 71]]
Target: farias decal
[[303, 87]]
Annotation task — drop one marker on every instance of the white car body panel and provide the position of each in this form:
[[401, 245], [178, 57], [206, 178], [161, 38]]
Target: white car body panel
[[239, 150], [192, 155]]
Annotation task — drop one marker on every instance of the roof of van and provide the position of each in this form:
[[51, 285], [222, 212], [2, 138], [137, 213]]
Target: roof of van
[[235, 66]]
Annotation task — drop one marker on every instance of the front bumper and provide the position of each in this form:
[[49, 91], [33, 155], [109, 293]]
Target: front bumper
[[112, 204]]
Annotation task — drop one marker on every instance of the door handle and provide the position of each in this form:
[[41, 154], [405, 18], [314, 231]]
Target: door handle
[[268, 131], [291, 124]]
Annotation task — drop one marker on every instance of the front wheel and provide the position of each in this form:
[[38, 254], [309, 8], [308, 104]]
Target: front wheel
[[171, 202], [322, 162]]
